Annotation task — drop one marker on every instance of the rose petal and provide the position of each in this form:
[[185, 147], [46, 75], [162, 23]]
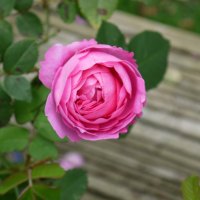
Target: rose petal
[[86, 136], [117, 52], [56, 121], [62, 77], [56, 56]]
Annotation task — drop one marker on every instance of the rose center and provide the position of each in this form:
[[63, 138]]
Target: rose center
[[90, 94]]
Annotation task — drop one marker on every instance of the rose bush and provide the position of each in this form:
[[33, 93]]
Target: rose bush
[[96, 90]]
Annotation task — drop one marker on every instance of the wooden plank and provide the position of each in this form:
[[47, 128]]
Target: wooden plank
[[137, 177], [185, 60], [186, 41]]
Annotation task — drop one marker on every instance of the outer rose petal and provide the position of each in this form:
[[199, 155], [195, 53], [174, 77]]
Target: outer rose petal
[[87, 136], [56, 57], [118, 52], [56, 121]]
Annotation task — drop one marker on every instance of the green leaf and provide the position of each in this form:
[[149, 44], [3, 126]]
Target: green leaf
[[191, 188], [25, 111], [67, 10], [151, 52], [3, 96], [6, 7], [26, 115], [124, 136], [53, 171], [8, 196], [45, 129], [41, 149], [23, 5], [18, 88], [6, 108], [29, 24], [42, 93], [5, 114], [73, 184], [13, 138], [46, 193], [96, 11], [21, 57], [41, 191], [110, 34], [6, 37], [12, 181]]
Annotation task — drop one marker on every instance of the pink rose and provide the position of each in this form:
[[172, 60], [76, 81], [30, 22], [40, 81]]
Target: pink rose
[[96, 90]]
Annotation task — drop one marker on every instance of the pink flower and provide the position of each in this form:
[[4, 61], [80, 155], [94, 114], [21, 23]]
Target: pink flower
[[96, 90], [71, 160]]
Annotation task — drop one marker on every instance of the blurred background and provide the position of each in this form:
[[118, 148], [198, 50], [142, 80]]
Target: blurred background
[[179, 13]]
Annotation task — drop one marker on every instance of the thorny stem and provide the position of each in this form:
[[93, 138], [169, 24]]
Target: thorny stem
[[29, 173], [35, 69], [29, 170], [28, 159], [40, 162], [30, 182], [29, 166], [47, 33]]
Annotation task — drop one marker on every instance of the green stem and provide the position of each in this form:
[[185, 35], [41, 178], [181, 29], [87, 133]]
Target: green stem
[[21, 194], [47, 21], [30, 181], [45, 5], [35, 69], [40, 162], [49, 36]]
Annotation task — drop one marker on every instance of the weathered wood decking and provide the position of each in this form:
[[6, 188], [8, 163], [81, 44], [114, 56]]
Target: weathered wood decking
[[164, 146]]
